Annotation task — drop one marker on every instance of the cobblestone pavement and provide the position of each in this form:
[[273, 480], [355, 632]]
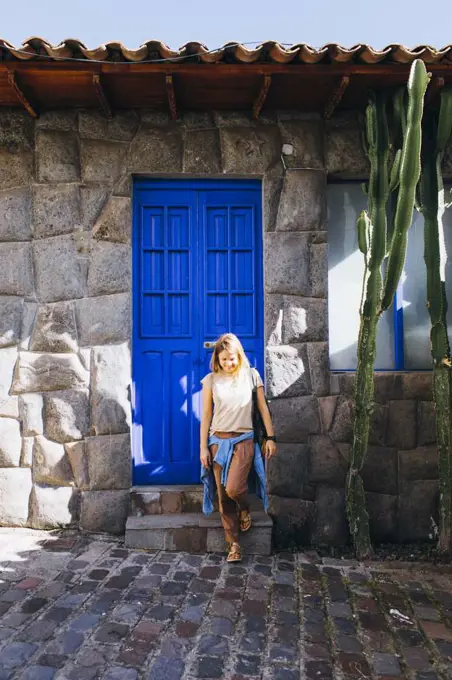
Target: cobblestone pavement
[[73, 607]]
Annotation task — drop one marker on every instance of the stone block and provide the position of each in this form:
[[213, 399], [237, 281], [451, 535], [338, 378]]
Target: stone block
[[401, 428], [10, 442], [258, 541], [55, 328], [295, 418], [197, 120], [28, 319], [115, 221], [104, 511], [15, 209], [9, 406], [76, 452], [287, 263], [102, 161], [53, 507], [109, 462], [103, 320], [341, 429], [95, 125], [36, 372], [66, 415], [380, 470], [319, 369], [344, 153], [327, 408], [110, 380], [30, 409], [16, 129], [326, 463], [26, 456], [306, 137], [60, 270], [57, 156], [13, 505], [287, 471], [51, 463], [92, 201], [16, 272], [378, 420], [418, 511], [382, 510], [156, 150], [64, 120], [11, 310], [271, 188], [233, 119], [287, 371], [418, 464], [110, 268], [417, 386], [426, 423], [388, 386], [292, 521], [202, 152], [319, 270], [273, 319], [250, 150], [16, 169], [302, 206], [304, 319], [330, 522], [56, 209]]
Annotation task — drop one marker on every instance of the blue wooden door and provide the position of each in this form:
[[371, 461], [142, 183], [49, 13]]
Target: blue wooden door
[[197, 273]]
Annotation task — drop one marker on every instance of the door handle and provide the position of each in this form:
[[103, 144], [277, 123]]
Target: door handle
[[209, 345]]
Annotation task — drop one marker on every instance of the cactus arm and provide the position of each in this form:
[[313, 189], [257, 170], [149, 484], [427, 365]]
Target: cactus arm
[[445, 119], [395, 171]]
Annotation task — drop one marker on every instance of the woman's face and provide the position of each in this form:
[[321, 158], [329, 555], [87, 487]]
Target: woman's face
[[229, 361]]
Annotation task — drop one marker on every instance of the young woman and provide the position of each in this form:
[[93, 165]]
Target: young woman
[[228, 450]]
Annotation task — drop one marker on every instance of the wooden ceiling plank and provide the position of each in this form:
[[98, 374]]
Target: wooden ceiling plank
[[262, 96], [435, 86], [171, 97], [102, 97], [12, 80], [336, 97]]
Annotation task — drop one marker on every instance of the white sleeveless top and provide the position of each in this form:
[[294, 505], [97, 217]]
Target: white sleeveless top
[[232, 400]]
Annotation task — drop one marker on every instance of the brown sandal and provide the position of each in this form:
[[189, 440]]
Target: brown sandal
[[245, 523], [235, 553]]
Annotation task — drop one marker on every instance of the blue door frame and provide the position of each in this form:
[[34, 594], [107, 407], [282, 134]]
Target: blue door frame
[[197, 273]]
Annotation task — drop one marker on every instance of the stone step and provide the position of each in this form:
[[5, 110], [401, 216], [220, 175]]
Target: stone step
[[194, 533], [163, 500]]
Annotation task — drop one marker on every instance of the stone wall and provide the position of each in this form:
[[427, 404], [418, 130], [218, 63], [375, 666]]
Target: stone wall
[[65, 317]]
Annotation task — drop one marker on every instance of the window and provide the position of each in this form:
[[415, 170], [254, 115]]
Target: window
[[403, 332]]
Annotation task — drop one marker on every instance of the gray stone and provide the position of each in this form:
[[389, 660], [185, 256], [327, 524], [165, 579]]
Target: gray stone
[[401, 430], [156, 150], [76, 452], [64, 120], [273, 314], [115, 221], [331, 526], [110, 268], [304, 319], [102, 161], [109, 462], [319, 270], [15, 222], [104, 511], [16, 169], [341, 429], [60, 272], [56, 209], [92, 199], [30, 409], [26, 456], [10, 443], [9, 405], [104, 319], [48, 372], [66, 415], [95, 125], [287, 371], [386, 665], [382, 510], [379, 472], [271, 187], [110, 380], [287, 472], [53, 507], [202, 152], [16, 129], [11, 310], [319, 369], [417, 385], [418, 510], [418, 464], [28, 319], [426, 423], [250, 150], [51, 464], [55, 329], [197, 120], [295, 418], [57, 156], [344, 153], [287, 263], [13, 505], [233, 119], [16, 272], [378, 420], [326, 463], [327, 408], [303, 201], [123, 187], [292, 521]]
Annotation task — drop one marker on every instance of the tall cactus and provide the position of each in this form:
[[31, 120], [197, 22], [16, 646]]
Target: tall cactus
[[437, 131], [405, 177]]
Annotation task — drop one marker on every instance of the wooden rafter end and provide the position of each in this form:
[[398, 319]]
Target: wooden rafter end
[[102, 97], [12, 80], [171, 97], [262, 96], [336, 97]]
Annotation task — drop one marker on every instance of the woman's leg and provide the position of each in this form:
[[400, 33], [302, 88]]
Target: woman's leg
[[237, 483], [227, 506]]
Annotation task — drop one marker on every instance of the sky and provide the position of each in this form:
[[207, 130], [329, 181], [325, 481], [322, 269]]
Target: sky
[[215, 22]]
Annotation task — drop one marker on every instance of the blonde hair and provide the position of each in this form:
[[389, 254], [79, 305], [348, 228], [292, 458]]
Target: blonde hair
[[230, 343]]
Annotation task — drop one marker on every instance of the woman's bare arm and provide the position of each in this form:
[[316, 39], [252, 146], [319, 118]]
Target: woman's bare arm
[[206, 419]]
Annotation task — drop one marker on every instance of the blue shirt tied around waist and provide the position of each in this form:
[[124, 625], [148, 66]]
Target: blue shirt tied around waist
[[223, 457]]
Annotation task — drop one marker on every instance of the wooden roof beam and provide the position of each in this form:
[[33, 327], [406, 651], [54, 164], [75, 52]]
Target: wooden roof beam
[[262, 96], [171, 97], [435, 86], [102, 97], [12, 80], [336, 97]]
